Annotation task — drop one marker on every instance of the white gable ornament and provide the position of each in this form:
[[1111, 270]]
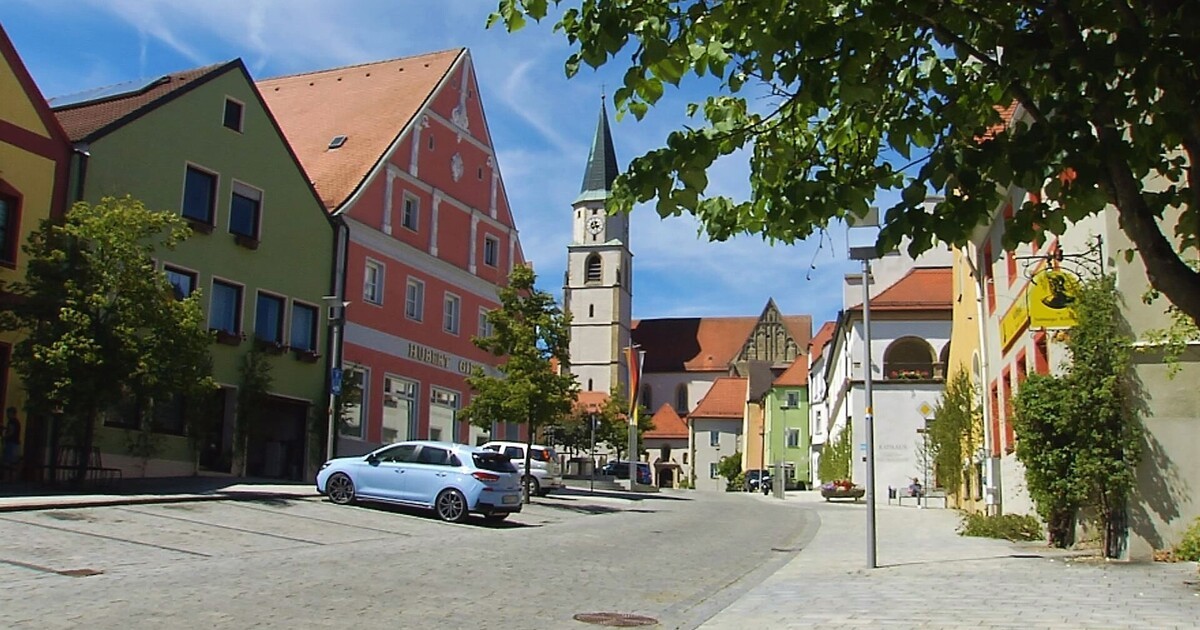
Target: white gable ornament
[[456, 167]]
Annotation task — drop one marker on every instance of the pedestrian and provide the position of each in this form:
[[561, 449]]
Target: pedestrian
[[12, 437], [914, 488]]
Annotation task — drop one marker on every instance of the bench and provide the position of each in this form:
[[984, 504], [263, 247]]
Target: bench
[[902, 495], [66, 468]]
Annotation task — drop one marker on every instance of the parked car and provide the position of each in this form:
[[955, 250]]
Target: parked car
[[454, 480], [620, 470], [543, 465], [753, 479]]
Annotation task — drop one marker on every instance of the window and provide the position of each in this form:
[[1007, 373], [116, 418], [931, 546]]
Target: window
[[647, 399], [169, 415], [712, 470], [183, 282], [199, 195], [10, 205], [714, 438], [399, 454], [412, 209], [373, 282], [681, 399], [450, 314], [793, 438], [244, 208], [989, 281], [268, 318], [399, 409], [304, 327], [491, 251], [429, 142], [485, 326], [414, 300], [591, 310], [793, 399], [233, 115], [225, 311], [433, 455], [356, 411], [594, 269], [443, 410]]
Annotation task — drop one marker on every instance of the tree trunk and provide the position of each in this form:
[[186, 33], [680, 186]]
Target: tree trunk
[[83, 455], [1061, 528]]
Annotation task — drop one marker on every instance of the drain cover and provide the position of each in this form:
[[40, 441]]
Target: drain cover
[[615, 620], [80, 572]]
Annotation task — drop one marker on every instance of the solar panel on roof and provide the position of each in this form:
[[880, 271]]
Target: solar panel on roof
[[101, 93]]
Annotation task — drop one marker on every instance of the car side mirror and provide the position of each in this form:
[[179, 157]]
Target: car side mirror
[[373, 459]]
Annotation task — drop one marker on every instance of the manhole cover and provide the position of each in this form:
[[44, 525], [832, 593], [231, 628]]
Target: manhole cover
[[67, 516], [616, 620], [80, 572]]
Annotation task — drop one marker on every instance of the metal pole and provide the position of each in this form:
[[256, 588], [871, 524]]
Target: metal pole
[[592, 455], [336, 364], [868, 417], [925, 488], [633, 421]]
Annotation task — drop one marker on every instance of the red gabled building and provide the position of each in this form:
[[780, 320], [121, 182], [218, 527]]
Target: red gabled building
[[400, 153]]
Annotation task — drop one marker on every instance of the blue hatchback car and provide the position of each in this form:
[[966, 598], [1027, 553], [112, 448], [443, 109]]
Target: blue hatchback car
[[454, 480]]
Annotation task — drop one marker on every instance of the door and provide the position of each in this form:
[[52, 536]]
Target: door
[[385, 476], [428, 475]]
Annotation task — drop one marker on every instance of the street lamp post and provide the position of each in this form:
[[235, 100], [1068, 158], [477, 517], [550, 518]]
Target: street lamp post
[[592, 454], [922, 500], [865, 252], [337, 317]]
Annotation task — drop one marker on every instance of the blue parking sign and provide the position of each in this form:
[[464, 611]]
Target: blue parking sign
[[335, 381]]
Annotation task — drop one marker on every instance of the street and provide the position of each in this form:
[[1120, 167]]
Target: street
[[678, 558]]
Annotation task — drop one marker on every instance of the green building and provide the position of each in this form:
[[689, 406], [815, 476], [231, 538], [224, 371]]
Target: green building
[[203, 143], [785, 416]]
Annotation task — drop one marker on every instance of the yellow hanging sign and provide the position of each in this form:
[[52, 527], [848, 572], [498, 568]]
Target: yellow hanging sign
[[1052, 297]]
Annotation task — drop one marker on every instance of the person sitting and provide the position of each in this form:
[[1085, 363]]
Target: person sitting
[[915, 489]]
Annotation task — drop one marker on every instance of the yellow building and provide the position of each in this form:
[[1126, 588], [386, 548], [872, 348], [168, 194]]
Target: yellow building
[[34, 160], [966, 356]]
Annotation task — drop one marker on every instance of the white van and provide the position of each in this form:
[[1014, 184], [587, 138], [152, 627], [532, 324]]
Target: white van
[[543, 465]]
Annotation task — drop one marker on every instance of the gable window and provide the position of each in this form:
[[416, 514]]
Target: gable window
[[182, 282], [451, 311], [714, 438], [10, 214], [793, 399], [268, 318], [233, 115], [412, 209], [793, 438], [225, 310], [491, 251], [304, 327], [681, 399], [594, 269], [373, 282], [244, 208], [485, 325], [199, 195], [414, 300]]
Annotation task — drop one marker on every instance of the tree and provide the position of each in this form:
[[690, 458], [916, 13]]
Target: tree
[[613, 426], [529, 330], [1079, 435], [851, 89], [730, 467], [102, 324], [955, 431], [835, 458], [571, 432]]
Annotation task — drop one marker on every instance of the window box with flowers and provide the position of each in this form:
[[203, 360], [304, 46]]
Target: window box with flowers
[[227, 338], [306, 356], [842, 489], [270, 347], [911, 375]]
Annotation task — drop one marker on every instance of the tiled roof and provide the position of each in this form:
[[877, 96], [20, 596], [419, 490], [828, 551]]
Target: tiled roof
[[703, 344], [796, 375], [591, 401], [921, 289], [725, 399], [823, 336], [370, 104], [1006, 116], [667, 424], [87, 120]]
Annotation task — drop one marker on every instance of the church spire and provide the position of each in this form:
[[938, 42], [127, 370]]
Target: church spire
[[602, 163]]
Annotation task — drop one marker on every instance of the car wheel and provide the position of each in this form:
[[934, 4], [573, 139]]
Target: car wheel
[[340, 489], [496, 518], [535, 488], [451, 506]]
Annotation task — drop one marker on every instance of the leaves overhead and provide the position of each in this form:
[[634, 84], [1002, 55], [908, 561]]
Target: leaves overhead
[[839, 102]]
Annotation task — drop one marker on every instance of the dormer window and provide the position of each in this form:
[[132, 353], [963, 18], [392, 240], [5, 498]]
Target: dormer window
[[233, 115]]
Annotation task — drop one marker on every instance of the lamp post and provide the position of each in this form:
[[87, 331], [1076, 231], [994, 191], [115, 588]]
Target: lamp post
[[592, 454], [865, 253], [337, 317], [922, 500]]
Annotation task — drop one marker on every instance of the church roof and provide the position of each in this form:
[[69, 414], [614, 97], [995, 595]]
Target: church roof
[[667, 424], [602, 163], [703, 344], [370, 104], [725, 399], [921, 289]]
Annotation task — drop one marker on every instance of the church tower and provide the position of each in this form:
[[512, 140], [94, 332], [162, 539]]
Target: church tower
[[598, 288]]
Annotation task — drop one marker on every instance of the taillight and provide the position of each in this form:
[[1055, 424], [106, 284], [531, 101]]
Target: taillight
[[485, 477]]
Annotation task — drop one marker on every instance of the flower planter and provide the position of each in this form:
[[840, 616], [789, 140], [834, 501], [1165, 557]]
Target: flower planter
[[270, 347], [306, 356], [854, 493], [227, 338]]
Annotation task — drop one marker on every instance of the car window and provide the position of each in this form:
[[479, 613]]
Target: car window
[[398, 453], [514, 452], [492, 447], [539, 454], [433, 455], [494, 462]]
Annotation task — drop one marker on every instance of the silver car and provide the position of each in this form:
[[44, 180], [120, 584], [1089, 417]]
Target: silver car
[[544, 468]]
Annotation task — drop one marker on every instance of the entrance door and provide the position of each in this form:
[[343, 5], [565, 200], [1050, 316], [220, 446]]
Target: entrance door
[[275, 449], [666, 477], [216, 441]]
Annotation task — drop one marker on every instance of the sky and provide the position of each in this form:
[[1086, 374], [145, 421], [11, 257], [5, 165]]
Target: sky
[[542, 124]]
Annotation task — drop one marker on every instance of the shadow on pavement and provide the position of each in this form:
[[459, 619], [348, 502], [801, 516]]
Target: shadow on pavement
[[154, 486], [616, 494], [429, 515]]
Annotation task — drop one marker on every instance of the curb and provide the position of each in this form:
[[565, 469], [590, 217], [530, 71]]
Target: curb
[[58, 503]]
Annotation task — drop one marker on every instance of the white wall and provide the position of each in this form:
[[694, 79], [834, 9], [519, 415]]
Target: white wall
[[730, 440]]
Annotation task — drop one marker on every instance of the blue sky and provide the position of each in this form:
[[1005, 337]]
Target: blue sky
[[541, 122]]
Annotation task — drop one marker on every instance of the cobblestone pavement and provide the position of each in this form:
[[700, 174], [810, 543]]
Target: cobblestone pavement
[[304, 563], [929, 577]]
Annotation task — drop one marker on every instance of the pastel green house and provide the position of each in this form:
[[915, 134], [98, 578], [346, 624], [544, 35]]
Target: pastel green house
[[202, 143], [785, 411]]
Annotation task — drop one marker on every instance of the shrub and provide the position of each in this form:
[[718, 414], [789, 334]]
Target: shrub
[[736, 483], [1189, 547], [1006, 526]]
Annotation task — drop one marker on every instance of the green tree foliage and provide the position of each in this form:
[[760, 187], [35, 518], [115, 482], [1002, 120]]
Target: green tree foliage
[[570, 432], [835, 458], [613, 428], [955, 431], [1173, 340], [529, 330], [730, 467], [1079, 435], [102, 324], [834, 102]]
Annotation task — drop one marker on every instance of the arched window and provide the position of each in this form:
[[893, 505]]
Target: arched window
[[939, 370], [908, 357], [646, 399], [594, 270], [681, 399]]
